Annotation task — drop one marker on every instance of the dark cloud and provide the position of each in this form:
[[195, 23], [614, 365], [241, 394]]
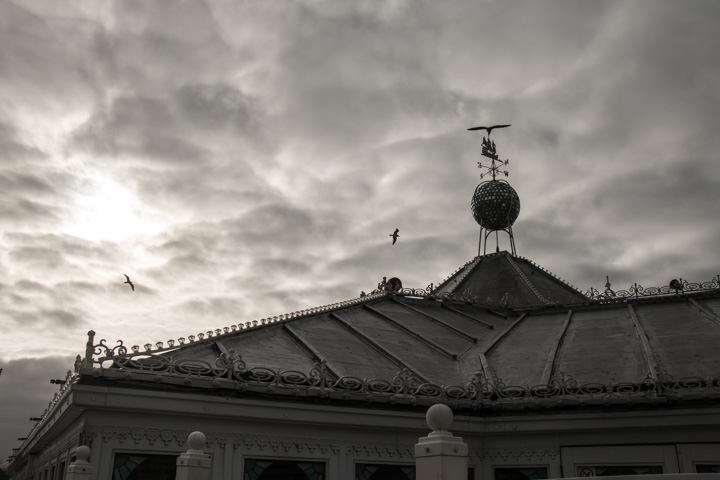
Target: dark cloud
[[206, 194], [186, 264], [219, 106], [29, 193], [16, 182], [79, 285], [281, 222], [160, 45], [13, 150], [70, 246], [25, 391], [285, 266], [34, 257], [365, 88], [29, 286], [55, 318], [142, 130], [22, 210]]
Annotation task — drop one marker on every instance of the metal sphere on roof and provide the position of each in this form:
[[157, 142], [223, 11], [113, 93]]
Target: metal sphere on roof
[[495, 205]]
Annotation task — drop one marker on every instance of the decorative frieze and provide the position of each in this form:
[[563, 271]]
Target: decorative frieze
[[517, 454], [266, 444], [136, 434]]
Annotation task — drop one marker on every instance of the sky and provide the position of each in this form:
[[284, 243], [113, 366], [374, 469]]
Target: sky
[[245, 159]]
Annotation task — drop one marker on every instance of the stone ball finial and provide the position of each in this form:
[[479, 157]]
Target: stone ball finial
[[196, 440], [82, 453], [439, 417]]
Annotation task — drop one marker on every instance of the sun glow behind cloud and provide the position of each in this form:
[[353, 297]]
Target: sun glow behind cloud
[[105, 209]]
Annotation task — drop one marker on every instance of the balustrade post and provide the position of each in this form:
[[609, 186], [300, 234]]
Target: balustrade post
[[440, 455], [80, 469], [193, 464]]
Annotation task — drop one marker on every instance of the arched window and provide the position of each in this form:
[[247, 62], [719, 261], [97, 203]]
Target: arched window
[[256, 469]]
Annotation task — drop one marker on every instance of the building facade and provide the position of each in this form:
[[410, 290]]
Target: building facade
[[544, 382]]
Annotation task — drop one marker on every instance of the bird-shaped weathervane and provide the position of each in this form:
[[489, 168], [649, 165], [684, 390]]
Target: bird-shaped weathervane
[[129, 282], [489, 150], [489, 129], [395, 235]]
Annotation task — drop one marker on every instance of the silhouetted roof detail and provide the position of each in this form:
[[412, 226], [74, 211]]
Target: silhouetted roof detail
[[436, 343]]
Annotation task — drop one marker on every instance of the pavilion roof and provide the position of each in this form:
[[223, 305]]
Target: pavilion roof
[[500, 325]]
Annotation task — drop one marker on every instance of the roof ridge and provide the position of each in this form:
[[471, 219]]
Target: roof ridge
[[470, 266], [201, 337], [551, 274], [526, 280], [477, 260]]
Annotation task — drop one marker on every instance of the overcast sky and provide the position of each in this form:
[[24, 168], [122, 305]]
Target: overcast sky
[[244, 159]]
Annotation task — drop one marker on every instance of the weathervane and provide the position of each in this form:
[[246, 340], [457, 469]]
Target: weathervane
[[490, 151], [495, 204]]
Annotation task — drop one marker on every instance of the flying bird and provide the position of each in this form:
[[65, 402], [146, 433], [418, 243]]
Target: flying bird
[[394, 235], [489, 129], [129, 282]]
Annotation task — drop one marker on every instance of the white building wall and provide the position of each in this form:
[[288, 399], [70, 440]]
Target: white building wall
[[237, 428]]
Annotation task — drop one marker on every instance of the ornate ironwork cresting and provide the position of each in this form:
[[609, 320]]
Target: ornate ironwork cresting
[[495, 204], [229, 372], [676, 287]]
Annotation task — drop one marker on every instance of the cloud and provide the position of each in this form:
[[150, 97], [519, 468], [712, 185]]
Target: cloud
[[25, 393], [244, 159], [141, 129], [14, 150], [55, 318], [34, 257], [221, 308], [219, 106]]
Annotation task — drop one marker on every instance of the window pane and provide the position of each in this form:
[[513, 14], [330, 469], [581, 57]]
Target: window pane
[[707, 468], [256, 469], [144, 467], [608, 470], [365, 471], [521, 473]]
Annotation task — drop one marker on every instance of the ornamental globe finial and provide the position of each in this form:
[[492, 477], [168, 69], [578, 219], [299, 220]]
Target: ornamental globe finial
[[439, 417], [495, 205]]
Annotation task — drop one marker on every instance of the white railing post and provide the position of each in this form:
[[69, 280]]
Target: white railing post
[[80, 469], [193, 464], [440, 455]]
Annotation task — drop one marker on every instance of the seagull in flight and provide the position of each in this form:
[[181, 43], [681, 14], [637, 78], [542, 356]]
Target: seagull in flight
[[489, 129], [394, 235], [129, 282]]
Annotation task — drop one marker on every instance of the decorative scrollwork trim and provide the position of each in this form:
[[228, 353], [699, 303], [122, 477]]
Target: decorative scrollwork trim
[[405, 388]]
